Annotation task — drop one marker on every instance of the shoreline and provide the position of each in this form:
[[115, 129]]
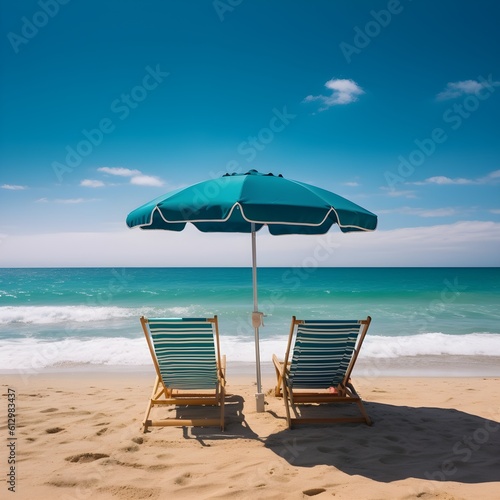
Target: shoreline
[[407, 366]]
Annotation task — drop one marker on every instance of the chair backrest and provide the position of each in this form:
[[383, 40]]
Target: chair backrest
[[185, 351], [325, 352]]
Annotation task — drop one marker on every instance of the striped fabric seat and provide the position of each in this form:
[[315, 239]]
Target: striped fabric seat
[[186, 356], [185, 351], [317, 367], [322, 353]]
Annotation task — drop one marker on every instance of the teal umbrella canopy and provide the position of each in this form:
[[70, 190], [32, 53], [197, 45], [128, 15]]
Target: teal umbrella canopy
[[233, 202], [244, 203]]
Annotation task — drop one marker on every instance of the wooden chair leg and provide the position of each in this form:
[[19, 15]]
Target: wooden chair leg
[[145, 421], [363, 412], [287, 405], [222, 404], [278, 366], [360, 404], [150, 404]]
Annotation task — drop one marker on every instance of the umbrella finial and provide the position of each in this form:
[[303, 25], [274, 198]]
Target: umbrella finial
[[252, 171]]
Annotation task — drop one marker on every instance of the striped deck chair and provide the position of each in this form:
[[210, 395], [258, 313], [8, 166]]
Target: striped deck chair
[[320, 367], [190, 370]]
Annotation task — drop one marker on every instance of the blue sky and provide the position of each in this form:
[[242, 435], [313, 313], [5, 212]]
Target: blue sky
[[107, 105]]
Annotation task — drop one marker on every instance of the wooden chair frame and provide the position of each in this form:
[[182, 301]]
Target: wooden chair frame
[[163, 395], [344, 392]]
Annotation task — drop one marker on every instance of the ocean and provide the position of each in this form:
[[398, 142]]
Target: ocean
[[74, 317]]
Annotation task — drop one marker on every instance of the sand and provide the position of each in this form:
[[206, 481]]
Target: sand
[[78, 436]]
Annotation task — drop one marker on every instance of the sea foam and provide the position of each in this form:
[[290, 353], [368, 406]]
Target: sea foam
[[43, 315], [36, 354]]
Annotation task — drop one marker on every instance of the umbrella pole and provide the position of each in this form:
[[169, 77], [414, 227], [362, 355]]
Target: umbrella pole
[[256, 322]]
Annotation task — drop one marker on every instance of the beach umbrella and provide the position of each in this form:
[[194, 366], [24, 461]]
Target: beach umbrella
[[244, 203]]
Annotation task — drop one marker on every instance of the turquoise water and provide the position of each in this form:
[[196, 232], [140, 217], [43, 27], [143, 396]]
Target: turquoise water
[[90, 315]]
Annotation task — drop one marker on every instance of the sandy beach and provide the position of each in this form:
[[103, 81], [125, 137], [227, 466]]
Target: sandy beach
[[77, 435]]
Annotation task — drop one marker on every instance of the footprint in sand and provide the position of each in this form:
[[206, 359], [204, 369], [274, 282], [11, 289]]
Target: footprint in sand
[[182, 480], [130, 448], [102, 431], [313, 491], [49, 410], [86, 457], [54, 430]]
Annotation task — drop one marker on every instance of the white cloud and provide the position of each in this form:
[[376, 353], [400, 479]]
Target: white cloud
[[136, 176], [351, 184], [343, 92], [421, 212], [466, 243], [491, 178], [119, 171], [13, 187], [146, 180], [92, 183], [66, 201], [464, 87], [72, 201], [441, 179], [495, 211]]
